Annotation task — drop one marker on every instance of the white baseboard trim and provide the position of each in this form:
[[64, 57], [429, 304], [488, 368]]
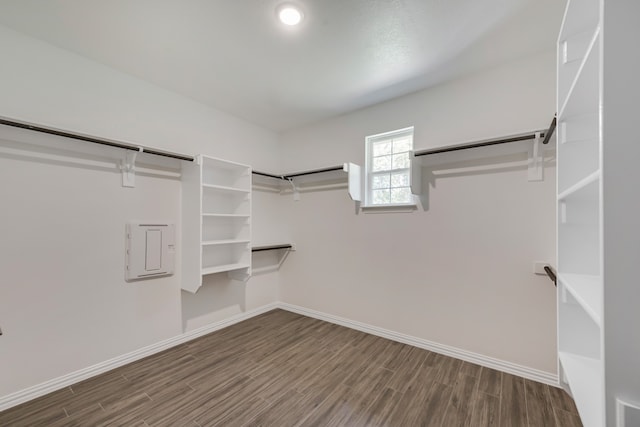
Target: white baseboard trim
[[36, 391], [478, 359], [30, 393]]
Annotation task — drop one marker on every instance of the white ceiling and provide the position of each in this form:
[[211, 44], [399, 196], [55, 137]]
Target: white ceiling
[[347, 54]]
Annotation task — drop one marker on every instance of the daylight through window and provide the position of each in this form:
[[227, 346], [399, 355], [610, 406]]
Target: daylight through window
[[389, 168]]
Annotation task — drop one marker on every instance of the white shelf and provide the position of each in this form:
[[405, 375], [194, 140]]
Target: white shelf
[[229, 211], [579, 244], [571, 54], [224, 242], [219, 164], [587, 291], [587, 161], [580, 185], [223, 215], [585, 376], [583, 94], [580, 16], [224, 268], [578, 147], [225, 188]]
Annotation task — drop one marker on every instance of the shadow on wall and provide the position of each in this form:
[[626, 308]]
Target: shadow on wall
[[452, 165], [268, 261], [219, 297], [23, 145]]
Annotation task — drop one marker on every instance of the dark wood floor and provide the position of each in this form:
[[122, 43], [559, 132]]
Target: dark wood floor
[[281, 369]]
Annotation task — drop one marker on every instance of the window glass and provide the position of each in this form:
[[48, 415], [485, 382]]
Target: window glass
[[399, 180], [381, 163], [382, 148], [400, 161], [381, 181], [388, 168]]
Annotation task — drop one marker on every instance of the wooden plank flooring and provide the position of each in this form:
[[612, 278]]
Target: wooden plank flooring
[[283, 369]]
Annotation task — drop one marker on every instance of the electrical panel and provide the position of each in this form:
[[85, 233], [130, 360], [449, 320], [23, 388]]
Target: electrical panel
[[150, 250]]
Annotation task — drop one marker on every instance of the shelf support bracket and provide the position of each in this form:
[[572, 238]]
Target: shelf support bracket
[[128, 168], [240, 275], [296, 191], [353, 181], [536, 160]]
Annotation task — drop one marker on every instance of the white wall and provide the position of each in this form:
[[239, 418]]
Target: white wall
[[459, 272], [64, 304]]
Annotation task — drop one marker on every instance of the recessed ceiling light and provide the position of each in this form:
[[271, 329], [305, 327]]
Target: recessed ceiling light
[[289, 14]]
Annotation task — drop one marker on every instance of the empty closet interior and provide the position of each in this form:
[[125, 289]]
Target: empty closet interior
[[470, 194]]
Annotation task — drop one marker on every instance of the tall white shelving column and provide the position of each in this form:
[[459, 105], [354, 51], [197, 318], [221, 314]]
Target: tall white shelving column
[[216, 221], [593, 105], [580, 285]]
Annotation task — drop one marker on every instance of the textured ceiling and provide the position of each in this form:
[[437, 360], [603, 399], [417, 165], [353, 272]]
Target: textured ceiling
[[347, 54]]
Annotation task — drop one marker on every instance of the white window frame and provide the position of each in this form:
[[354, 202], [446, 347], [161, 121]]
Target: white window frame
[[369, 174]]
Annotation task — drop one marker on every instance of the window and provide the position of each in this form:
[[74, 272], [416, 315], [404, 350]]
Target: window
[[388, 168]]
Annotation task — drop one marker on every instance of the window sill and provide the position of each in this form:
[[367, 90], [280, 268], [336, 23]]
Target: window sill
[[405, 208]]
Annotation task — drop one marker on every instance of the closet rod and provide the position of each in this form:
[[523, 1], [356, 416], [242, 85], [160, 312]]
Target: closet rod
[[270, 248], [294, 175], [486, 143], [551, 275], [311, 172], [267, 175], [86, 138]]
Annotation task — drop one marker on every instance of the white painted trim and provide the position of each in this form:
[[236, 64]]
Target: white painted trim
[[479, 359], [30, 393]]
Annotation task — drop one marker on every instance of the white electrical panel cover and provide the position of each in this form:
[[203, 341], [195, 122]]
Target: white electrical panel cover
[[150, 250]]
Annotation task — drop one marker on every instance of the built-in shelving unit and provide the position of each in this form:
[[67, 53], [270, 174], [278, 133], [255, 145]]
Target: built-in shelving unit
[[579, 189], [216, 220], [598, 238]]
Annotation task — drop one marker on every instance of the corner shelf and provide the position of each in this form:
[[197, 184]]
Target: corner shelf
[[216, 220]]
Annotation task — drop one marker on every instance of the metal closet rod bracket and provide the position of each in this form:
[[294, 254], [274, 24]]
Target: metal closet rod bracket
[[551, 275], [549, 133]]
